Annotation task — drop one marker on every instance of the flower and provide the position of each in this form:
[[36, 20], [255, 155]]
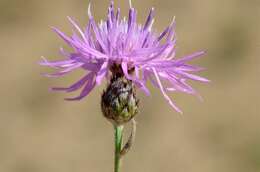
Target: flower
[[135, 50]]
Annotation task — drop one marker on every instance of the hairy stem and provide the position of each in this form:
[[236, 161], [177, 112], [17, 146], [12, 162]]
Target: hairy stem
[[118, 144]]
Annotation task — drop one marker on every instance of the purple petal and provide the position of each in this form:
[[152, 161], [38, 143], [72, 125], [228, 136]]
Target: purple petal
[[91, 66], [149, 20], [79, 46], [77, 28], [102, 73], [77, 85], [190, 68], [163, 34], [63, 72], [189, 57], [191, 76], [87, 89], [171, 31], [147, 51], [157, 55], [97, 35], [67, 39], [118, 14], [164, 93], [57, 63], [131, 20]]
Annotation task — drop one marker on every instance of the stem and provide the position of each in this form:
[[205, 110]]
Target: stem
[[118, 143]]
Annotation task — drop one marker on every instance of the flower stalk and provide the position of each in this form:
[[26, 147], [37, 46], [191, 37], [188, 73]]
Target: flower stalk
[[118, 144], [120, 150]]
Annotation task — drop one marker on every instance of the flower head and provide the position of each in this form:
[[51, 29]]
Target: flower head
[[122, 46]]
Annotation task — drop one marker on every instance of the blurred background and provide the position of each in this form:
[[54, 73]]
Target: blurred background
[[39, 132]]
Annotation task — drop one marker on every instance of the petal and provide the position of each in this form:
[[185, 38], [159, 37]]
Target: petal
[[131, 20], [75, 44], [87, 89], [67, 39], [191, 76], [75, 86], [57, 63], [96, 31], [63, 72], [102, 73], [118, 14], [164, 93], [146, 52], [92, 66], [149, 20], [171, 32], [77, 28], [160, 37], [190, 68], [157, 55], [189, 57]]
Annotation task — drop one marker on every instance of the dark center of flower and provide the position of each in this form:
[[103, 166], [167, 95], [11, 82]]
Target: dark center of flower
[[116, 70]]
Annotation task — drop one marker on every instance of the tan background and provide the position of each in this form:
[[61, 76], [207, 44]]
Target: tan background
[[39, 132]]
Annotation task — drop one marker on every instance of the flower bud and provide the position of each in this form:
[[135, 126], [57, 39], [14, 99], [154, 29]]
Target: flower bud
[[119, 103]]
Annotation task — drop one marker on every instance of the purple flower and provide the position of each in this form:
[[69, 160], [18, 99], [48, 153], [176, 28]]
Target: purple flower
[[141, 54]]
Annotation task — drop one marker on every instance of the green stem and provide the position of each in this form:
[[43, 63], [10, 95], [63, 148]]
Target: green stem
[[118, 144]]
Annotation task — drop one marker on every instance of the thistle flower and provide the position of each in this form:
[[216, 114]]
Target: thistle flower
[[141, 53], [131, 55]]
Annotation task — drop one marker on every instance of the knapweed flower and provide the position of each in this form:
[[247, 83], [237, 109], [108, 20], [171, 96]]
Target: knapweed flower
[[121, 47]]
